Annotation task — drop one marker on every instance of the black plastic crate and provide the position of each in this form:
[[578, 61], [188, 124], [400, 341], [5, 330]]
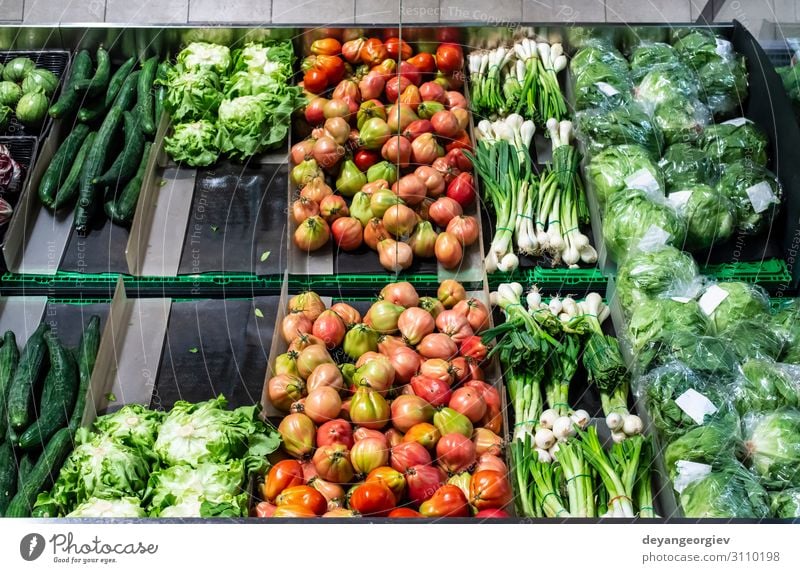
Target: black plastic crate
[[23, 151], [57, 61]]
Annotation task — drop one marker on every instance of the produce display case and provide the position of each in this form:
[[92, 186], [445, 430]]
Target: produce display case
[[23, 150]]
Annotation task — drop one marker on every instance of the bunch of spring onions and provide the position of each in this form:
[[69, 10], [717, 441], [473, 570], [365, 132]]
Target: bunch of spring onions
[[562, 205], [554, 449], [502, 159], [522, 79]]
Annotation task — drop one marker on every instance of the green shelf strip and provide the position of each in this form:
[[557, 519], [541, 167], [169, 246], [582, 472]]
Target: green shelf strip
[[553, 278], [768, 273]]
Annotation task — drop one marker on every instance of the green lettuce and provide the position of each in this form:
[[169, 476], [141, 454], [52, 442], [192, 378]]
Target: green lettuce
[[649, 54], [753, 338], [102, 508], [730, 492], [731, 142], [786, 503], [685, 166], [681, 120], [724, 85], [181, 484], [192, 95], [204, 55], [601, 128], [227, 506], [134, 425], [709, 215], [715, 444], [193, 143], [250, 124], [742, 301], [656, 318], [609, 169], [755, 192], [765, 386], [773, 447], [662, 272]]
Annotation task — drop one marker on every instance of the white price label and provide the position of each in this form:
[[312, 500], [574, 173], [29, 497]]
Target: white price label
[[695, 405], [654, 238], [643, 179], [711, 299], [761, 196], [724, 48], [737, 121], [679, 199], [688, 473], [681, 299], [607, 89]]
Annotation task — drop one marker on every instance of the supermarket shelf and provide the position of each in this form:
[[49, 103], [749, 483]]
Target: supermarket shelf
[[772, 274]]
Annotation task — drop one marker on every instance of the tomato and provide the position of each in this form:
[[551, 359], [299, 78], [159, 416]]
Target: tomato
[[398, 49], [348, 234], [333, 463], [373, 499], [293, 511], [450, 293], [491, 514], [326, 47], [409, 454], [473, 347], [408, 411], [448, 501], [454, 325], [460, 369], [469, 402], [455, 453], [333, 67], [476, 312], [423, 481], [389, 477], [489, 490], [351, 50], [460, 141], [373, 52], [264, 509], [423, 433], [283, 475], [456, 159], [305, 496], [315, 80], [433, 391], [341, 512], [366, 158], [424, 62], [462, 189], [449, 58], [437, 345], [404, 512]]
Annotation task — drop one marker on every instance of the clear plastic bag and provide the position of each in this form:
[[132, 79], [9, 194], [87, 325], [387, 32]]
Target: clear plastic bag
[[755, 192], [710, 215], [786, 504], [766, 385], [724, 85], [728, 303], [726, 493], [649, 54], [734, 140], [684, 166], [772, 440], [682, 120], [654, 319], [630, 124], [601, 77], [611, 170], [666, 83], [661, 272], [754, 338], [716, 444], [634, 37], [635, 219]]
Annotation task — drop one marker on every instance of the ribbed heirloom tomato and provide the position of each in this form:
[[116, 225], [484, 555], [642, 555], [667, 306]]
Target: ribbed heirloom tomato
[[372, 499], [304, 496], [489, 490], [284, 474]]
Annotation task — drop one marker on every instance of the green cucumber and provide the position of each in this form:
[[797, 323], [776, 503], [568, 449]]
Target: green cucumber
[[144, 97], [69, 100], [9, 357], [61, 164], [97, 109], [58, 395], [92, 166], [160, 91], [49, 463], [23, 386], [24, 467], [86, 356], [121, 210], [124, 166], [126, 98], [8, 476], [97, 84], [69, 188]]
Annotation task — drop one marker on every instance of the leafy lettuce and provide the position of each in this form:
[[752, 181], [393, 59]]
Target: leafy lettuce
[[194, 144], [99, 508], [182, 484]]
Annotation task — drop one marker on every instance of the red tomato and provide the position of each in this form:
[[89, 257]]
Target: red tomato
[[333, 67], [373, 499], [304, 496], [460, 141], [456, 158], [462, 189], [424, 62], [315, 81], [448, 501], [389, 477], [473, 347], [449, 58], [284, 474], [404, 512], [365, 158], [489, 490], [491, 514], [373, 52], [326, 47], [293, 511], [398, 49], [264, 509]]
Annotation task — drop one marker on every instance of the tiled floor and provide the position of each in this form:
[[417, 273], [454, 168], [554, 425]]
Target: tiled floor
[[760, 16]]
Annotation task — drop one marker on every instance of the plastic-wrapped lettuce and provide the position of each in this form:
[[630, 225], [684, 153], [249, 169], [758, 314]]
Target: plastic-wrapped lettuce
[[678, 400], [786, 325], [636, 219], [772, 440], [682, 120], [634, 37], [610, 170], [786, 504], [755, 338], [730, 492], [630, 124], [734, 140], [765, 386], [664, 83], [134, 425], [579, 37], [728, 303], [706, 355], [662, 272], [710, 215], [656, 318], [649, 54], [698, 47], [601, 77], [715, 443], [181, 484], [99, 508], [684, 166], [755, 192], [724, 85]]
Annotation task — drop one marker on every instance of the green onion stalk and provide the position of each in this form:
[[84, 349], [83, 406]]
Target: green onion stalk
[[550, 100], [578, 478], [528, 65], [547, 478], [619, 486], [643, 488], [486, 69]]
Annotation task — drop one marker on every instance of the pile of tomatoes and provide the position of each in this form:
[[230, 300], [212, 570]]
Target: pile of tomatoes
[[409, 429], [384, 164]]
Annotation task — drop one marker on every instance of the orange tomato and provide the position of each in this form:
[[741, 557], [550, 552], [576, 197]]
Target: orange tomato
[[389, 477], [284, 474], [373, 52], [303, 496], [293, 511], [372, 498], [398, 49], [489, 489], [326, 47]]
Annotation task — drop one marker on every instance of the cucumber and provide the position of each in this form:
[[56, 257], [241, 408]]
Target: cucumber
[[9, 357], [24, 467], [124, 166], [8, 476], [97, 84], [87, 356], [50, 462], [58, 395], [69, 100], [121, 211], [92, 167], [126, 98], [118, 80], [144, 96], [69, 188], [160, 91], [20, 396], [61, 164]]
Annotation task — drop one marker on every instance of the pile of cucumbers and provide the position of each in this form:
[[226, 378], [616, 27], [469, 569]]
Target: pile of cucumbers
[[42, 399], [101, 164]]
